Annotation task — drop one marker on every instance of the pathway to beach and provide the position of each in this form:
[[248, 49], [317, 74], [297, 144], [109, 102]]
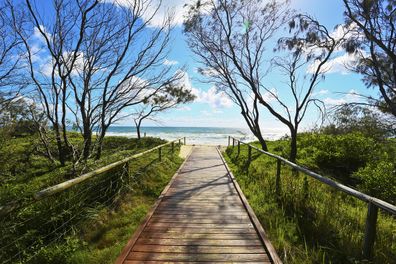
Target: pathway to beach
[[201, 216]]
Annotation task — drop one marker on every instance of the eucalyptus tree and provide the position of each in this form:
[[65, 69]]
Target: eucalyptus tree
[[374, 44]]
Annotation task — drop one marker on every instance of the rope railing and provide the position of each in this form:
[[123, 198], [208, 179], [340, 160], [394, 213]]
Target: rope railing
[[53, 213], [373, 203]]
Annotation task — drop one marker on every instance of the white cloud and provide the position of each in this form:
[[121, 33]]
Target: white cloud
[[339, 64], [213, 97], [175, 8], [170, 62]]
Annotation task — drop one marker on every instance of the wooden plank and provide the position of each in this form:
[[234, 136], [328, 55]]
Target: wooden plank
[[216, 236], [198, 242], [200, 249], [183, 225], [199, 230], [196, 257], [200, 216], [200, 221]]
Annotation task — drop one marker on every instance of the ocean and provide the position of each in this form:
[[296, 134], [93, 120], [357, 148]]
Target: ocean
[[194, 135]]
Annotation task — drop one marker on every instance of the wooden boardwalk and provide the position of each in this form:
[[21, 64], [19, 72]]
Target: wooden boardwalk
[[201, 216]]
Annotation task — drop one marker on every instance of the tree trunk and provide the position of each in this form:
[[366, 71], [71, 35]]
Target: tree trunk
[[138, 129], [87, 143], [100, 143], [263, 143], [293, 146], [260, 138], [61, 150]]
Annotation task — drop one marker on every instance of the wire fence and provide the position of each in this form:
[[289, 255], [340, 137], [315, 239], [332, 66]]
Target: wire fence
[[56, 211]]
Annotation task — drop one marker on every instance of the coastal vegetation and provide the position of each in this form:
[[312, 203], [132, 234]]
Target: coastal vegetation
[[88, 223], [309, 222]]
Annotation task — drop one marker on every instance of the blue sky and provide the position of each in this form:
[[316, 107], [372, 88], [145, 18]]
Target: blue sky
[[212, 109]]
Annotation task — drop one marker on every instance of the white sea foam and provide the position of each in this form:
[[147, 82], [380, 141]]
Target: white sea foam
[[198, 136]]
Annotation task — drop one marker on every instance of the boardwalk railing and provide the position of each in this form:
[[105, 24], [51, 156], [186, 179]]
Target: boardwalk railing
[[373, 203], [49, 215]]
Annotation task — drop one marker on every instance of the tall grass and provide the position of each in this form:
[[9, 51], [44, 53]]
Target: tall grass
[[308, 222]]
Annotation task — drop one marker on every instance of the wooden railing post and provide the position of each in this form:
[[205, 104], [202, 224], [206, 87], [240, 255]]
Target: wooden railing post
[[233, 142], [184, 140], [179, 141], [159, 154], [239, 147], [173, 147], [277, 180], [229, 139], [370, 230]]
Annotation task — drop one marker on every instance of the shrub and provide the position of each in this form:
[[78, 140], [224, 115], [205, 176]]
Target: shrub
[[379, 179]]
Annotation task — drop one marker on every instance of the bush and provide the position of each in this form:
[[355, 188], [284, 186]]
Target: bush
[[379, 180], [337, 155]]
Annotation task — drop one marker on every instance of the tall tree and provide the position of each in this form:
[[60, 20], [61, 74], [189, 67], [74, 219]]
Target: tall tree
[[230, 38], [374, 23]]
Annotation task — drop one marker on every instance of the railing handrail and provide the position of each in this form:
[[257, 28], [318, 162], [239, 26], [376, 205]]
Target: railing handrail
[[4, 209], [355, 193]]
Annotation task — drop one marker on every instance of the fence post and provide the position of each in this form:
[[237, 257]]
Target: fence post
[[229, 141], [233, 142], [370, 230], [277, 180], [179, 141], [159, 154], [173, 146], [184, 140], [239, 147]]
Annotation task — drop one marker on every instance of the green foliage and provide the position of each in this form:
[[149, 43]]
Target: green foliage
[[308, 222], [378, 178], [336, 155]]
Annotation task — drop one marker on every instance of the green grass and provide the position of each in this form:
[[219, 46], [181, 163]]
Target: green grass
[[24, 171], [308, 222], [94, 219]]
